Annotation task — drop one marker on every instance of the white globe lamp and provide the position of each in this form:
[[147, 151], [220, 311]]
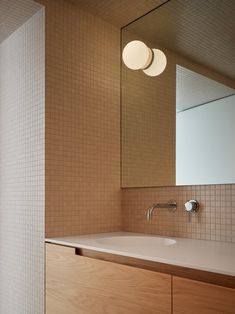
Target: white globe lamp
[[138, 56]]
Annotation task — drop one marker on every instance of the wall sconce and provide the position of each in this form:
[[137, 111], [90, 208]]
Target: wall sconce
[[137, 56]]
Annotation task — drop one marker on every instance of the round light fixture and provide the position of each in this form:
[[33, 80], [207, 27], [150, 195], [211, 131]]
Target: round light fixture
[[137, 56], [158, 64]]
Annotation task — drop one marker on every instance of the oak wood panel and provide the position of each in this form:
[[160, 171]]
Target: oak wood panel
[[185, 272], [195, 297], [81, 285]]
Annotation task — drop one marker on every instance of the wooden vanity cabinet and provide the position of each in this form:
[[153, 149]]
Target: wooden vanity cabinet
[[194, 297], [82, 285]]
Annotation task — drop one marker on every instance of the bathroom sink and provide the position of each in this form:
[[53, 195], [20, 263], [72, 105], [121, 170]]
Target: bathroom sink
[[131, 241]]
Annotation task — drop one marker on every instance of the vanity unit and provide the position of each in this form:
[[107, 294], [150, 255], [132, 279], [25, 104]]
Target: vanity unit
[[120, 273]]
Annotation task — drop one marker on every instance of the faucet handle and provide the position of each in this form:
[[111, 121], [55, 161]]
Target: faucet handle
[[191, 206]]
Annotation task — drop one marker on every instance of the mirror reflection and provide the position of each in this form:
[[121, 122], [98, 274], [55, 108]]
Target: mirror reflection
[[205, 126], [178, 127]]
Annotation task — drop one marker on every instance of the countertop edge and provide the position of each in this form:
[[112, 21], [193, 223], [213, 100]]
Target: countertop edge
[[171, 268]]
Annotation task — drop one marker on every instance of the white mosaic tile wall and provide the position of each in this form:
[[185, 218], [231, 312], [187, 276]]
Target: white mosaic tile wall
[[22, 169], [14, 13]]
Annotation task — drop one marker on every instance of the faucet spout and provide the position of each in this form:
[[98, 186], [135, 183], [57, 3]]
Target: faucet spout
[[150, 212], [171, 205]]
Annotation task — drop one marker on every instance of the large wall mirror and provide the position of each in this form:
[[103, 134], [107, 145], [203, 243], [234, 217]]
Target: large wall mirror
[[178, 128]]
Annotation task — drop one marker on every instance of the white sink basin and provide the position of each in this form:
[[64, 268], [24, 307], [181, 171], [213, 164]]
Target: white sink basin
[[136, 241], [212, 256]]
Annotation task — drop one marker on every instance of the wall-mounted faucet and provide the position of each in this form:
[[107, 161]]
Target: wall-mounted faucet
[[170, 205]]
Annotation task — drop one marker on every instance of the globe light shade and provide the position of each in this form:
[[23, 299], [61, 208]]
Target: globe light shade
[[136, 55], [158, 64]]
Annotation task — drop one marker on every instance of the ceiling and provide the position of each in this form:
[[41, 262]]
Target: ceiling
[[194, 89], [14, 13], [118, 12], [201, 31]]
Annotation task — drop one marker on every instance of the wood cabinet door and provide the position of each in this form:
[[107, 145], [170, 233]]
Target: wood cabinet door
[[81, 285], [194, 297]]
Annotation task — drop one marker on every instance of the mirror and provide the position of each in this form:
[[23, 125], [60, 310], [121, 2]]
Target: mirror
[[178, 127]]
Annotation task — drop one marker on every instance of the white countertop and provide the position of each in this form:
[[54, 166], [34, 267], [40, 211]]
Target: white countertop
[[212, 256]]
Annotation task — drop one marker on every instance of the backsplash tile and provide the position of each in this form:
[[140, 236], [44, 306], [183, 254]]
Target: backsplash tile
[[214, 221]]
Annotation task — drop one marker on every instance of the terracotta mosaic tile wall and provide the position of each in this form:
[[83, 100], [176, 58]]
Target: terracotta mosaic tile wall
[[82, 142], [82, 122], [215, 220]]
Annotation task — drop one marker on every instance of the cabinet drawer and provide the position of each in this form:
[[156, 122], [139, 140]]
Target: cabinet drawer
[[81, 285], [195, 297]]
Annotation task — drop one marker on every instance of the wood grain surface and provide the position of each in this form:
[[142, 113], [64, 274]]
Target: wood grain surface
[[82, 285], [186, 272], [193, 297]]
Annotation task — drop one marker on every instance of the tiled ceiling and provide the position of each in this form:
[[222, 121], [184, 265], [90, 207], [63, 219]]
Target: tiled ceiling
[[201, 31], [118, 12], [14, 13], [194, 89]]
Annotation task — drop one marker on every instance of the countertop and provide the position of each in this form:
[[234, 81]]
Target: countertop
[[212, 256]]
